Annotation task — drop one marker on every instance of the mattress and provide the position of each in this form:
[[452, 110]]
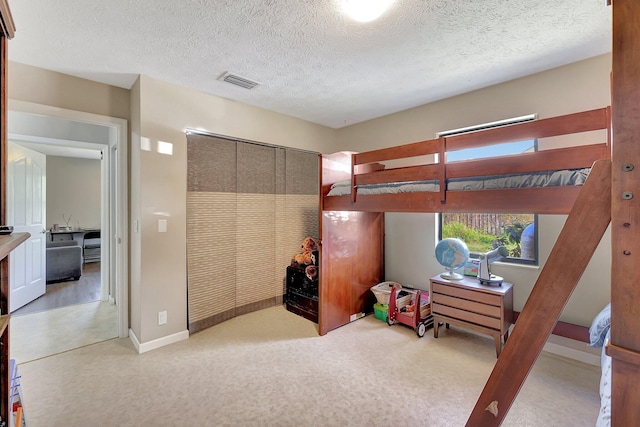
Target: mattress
[[491, 182]]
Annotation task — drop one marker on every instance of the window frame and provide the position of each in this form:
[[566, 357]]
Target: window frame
[[526, 118]]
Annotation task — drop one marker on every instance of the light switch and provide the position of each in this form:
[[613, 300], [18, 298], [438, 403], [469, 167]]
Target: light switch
[[162, 226]]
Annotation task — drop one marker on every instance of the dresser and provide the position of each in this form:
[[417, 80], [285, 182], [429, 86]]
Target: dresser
[[468, 304], [302, 293]]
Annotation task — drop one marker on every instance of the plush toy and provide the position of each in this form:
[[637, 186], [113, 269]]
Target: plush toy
[[308, 255], [305, 258], [309, 245]]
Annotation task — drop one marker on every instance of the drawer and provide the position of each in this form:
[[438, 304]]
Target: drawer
[[467, 305], [469, 294], [466, 316], [310, 304]]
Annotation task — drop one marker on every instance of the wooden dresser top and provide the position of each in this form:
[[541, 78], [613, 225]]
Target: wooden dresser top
[[473, 283]]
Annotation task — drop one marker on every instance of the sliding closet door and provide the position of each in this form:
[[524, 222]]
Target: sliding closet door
[[296, 208], [211, 230], [249, 206], [255, 227]]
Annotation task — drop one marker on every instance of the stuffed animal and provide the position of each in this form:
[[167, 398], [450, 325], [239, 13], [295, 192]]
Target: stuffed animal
[[305, 258], [308, 255], [309, 245]]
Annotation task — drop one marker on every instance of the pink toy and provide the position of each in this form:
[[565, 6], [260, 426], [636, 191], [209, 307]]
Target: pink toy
[[414, 312]]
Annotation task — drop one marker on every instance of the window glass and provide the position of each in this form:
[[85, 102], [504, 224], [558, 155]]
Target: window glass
[[492, 150], [485, 231]]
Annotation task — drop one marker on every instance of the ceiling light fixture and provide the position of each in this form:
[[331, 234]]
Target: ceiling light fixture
[[365, 10]]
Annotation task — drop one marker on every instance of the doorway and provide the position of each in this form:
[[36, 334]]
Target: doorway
[[73, 134]]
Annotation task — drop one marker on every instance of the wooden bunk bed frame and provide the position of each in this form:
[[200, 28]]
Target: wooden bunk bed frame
[[352, 227], [365, 168]]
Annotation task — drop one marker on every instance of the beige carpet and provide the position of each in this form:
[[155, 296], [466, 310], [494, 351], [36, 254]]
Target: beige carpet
[[44, 333], [270, 368]]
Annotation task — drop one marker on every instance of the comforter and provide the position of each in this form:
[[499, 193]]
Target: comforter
[[599, 334]]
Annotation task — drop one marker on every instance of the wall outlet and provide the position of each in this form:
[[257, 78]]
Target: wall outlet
[[162, 317]]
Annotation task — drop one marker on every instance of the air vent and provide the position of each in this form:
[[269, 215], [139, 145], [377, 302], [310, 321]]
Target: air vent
[[235, 79]]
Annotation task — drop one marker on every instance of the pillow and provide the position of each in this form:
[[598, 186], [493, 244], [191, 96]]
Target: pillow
[[600, 327], [343, 183]]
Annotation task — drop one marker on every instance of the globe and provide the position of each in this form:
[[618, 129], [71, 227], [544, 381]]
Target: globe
[[452, 254]]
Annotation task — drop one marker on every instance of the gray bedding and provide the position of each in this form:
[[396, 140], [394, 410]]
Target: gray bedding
[[534, 179]]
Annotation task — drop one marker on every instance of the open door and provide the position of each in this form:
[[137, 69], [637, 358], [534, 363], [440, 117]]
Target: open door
[[351, 262], [26, 210]]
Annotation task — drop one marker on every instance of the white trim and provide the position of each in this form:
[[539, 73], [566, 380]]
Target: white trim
[[565, 347], [105, 228], [572, 353], [483, 126], [157, 343], [118, 138], [134, 340], [573, 349]]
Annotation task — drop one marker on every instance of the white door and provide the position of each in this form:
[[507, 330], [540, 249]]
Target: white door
[[26, 207]]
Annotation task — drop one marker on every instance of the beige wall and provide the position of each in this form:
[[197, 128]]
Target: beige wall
[[166, 110], [410, 238], [73, 189], [159, 111], [135, 301], [32, 84]]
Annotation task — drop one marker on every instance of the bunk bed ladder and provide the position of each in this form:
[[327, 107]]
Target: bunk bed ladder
[[581, 234]]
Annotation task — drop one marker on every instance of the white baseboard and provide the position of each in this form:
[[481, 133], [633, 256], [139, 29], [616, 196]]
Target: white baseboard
[[160, 342], [586, 355]]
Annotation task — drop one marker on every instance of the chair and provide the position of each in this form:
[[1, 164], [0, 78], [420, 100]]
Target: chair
[[91, 246], [64, 260]]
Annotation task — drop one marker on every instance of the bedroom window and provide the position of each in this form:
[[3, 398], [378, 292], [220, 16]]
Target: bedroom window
[[485, 231]]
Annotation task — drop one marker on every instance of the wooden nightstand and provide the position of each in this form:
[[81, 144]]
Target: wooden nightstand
[[467, 303]]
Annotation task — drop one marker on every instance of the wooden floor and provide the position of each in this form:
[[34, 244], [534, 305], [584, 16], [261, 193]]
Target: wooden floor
[[68, 293]]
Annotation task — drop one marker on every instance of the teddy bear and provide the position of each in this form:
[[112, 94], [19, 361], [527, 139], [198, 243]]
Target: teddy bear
[[309, 245], [309, 253]]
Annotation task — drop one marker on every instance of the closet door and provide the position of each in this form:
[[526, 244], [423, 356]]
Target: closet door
[[211, 230], [249, 206], [255, 227]]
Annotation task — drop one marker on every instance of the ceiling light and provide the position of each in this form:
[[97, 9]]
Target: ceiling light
[[365, 10]]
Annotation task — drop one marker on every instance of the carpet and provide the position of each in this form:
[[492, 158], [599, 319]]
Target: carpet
[[270, 368]]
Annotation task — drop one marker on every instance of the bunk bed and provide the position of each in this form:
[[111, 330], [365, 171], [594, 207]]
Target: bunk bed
[[545, 181], [352, 221], [607, 197]]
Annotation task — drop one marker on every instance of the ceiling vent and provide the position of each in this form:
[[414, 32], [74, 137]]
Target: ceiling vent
[[235, 79]]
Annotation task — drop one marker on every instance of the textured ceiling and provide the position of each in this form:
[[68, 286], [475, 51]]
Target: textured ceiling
[[313, 62]]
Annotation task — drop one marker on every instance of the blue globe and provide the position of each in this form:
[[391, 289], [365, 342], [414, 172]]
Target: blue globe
[[452, 254]]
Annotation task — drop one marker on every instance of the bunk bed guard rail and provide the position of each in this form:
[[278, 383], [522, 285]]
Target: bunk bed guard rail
[[367, 168]]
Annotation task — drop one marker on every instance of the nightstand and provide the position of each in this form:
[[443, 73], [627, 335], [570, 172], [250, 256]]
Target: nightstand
[[302, 294], [467, 303]]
